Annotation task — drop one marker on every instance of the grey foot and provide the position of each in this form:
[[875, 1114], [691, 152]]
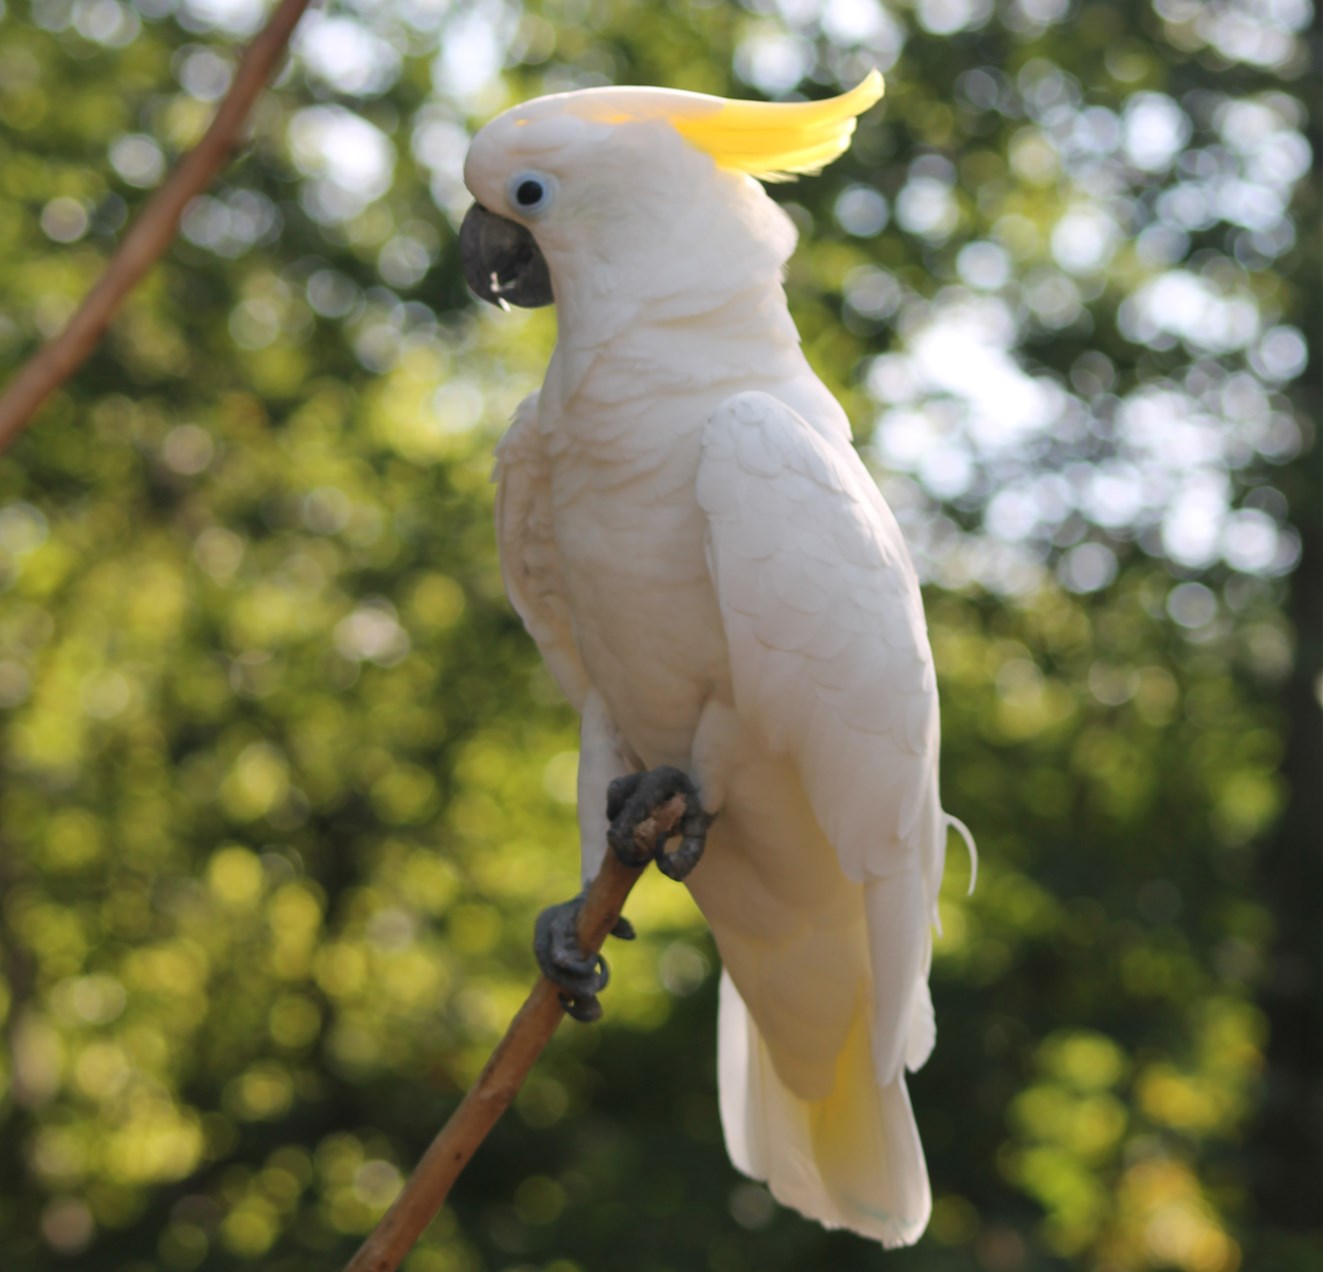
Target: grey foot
[[579, 977], [632, 800]]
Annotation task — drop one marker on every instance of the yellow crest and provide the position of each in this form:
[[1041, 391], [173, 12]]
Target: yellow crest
[[769, 140]]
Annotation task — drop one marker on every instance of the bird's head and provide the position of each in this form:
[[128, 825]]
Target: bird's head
[[597, 179]]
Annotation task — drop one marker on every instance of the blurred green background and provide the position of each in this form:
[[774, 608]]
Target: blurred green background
[[284, 783]]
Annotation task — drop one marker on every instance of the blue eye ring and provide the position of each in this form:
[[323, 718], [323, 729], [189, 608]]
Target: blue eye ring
[[531, 193]]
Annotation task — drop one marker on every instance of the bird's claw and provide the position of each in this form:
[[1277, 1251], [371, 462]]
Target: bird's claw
[[631, 804], [580, 977], [585, 1008]]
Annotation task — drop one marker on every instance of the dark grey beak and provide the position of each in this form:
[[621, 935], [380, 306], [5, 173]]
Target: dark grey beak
[[502, 262]]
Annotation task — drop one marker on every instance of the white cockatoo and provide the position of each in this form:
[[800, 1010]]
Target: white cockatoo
[[719, 588]]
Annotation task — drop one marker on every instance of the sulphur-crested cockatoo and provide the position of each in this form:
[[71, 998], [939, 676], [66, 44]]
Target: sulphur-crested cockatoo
[[717, 585]]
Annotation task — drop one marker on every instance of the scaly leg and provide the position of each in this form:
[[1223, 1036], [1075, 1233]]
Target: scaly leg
[[603, 756]]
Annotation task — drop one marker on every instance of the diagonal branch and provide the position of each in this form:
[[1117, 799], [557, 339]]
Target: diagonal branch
[[504, 1073], [151, 233]]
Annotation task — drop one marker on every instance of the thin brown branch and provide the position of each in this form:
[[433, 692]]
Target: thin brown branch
[[503, 1074], [151, 233]]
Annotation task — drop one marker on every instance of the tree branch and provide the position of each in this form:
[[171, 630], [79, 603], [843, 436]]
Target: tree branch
[[151, 233], [504, 1073]]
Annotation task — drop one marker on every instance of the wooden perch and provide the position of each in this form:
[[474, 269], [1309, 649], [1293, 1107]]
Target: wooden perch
[[151, 233], [504, 1073]]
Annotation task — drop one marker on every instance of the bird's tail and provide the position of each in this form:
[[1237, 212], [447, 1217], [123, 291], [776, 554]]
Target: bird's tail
[[852, 1160]]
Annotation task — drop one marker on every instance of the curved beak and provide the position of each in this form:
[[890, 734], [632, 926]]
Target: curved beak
[[501, 261]]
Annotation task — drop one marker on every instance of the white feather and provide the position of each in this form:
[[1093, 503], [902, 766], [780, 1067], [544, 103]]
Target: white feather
[[854, 1161], [530, 564]]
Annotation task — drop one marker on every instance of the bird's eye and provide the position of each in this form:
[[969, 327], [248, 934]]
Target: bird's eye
[[531, 192]]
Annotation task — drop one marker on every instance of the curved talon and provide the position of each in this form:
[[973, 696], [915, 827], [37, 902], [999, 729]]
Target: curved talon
[[678, 864], [594, 977], [584, 1008], [623, 929], [588, 1007]]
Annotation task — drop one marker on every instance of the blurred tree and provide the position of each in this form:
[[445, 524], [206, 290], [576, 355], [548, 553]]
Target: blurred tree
[[1288, 1133], [283, 784]]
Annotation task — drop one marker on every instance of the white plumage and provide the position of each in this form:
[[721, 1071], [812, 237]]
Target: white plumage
[[716, 583]]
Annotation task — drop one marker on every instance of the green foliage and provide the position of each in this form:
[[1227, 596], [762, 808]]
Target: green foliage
[[284, 784]]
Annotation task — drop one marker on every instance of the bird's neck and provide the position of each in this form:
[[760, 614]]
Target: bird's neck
[[735, 308], [680, 342]]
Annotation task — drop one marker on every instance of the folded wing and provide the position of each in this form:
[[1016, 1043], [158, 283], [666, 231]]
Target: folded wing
[[830, 662]]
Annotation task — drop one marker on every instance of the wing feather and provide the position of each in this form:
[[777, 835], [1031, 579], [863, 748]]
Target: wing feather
[[830, 661]]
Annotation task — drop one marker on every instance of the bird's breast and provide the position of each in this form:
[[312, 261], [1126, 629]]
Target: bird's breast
[[631, 539]]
